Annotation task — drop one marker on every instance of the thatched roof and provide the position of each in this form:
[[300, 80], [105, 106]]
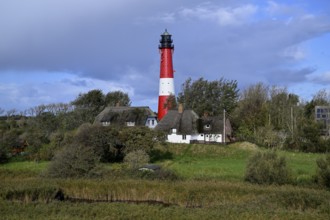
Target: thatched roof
[[214, 125], [188, 122], [122, 114], [184, 123]]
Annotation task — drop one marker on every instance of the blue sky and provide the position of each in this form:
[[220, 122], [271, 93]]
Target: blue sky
[[52, 50]]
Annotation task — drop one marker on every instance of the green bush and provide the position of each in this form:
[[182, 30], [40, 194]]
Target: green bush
[[74, 161], [136, 158], [323, 171], [4, 154], [102, 139], [267, 168], [137, 138]]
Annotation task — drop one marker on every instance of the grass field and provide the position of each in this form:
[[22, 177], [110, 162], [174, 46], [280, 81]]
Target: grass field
[[211, 187], [229, 162]]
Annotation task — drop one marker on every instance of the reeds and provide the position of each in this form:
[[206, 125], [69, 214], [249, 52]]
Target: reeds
[[207, 195]]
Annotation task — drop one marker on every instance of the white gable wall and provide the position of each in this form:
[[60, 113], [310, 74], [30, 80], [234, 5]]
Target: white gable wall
[[213, 138], [151, 122], [178, 138]]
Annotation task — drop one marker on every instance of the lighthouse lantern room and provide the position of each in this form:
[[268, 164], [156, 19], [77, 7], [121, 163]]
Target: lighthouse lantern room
[[166, 83]]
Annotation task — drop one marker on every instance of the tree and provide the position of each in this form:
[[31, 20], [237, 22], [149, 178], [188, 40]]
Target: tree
[[11, 113], [251, 112], [71, 120], [10, 138], [282, 107], [320, 98], [117, 98], [308, 137], [307, 134], [4, 153], [92, 99], [89, 104], [210, 97], [102, 139], [171, 103], [137, 138]]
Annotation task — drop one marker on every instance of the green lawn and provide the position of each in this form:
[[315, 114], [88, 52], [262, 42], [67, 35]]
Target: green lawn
[[25, 166], [209, 168], [229, 162]]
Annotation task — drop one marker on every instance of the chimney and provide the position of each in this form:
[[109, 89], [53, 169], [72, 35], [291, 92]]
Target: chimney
[[206, 114], [180, 108]]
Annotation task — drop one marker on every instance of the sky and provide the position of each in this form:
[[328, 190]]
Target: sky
[[53, 50]]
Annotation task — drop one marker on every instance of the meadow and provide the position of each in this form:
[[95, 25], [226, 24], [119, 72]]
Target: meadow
[[211, 186]]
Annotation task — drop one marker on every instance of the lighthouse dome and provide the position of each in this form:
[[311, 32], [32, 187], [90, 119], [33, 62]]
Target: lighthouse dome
[[165, 33], [166, 41]]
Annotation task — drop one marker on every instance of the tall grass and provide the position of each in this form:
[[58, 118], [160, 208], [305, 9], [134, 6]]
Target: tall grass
[[206, 199], [78, 211], [194, 193]]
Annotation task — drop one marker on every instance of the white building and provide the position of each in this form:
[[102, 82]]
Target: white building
[[184, 126]]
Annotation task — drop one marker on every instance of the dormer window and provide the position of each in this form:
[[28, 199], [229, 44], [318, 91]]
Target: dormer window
[[130, 124], [173, 130], [105, 123], [207, 126]]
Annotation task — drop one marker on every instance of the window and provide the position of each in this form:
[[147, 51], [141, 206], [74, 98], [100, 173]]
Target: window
[[153, 122], [184, 137], [105, 123], [130, 123]]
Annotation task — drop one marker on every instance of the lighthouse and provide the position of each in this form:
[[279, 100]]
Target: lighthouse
[[166, 82]]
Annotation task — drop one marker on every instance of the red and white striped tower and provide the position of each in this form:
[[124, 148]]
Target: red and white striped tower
[[166, 83]]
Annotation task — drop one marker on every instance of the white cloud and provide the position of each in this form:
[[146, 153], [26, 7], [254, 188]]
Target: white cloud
[[296, 53], [224, 16], [277, 9], [167, 17], [321, 78]]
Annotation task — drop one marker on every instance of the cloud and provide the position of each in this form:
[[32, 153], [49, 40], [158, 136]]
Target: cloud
[[290, 76], [294, 52], [274, 8], [322, 79], [65, 88], [114, 44], [222, 15]]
